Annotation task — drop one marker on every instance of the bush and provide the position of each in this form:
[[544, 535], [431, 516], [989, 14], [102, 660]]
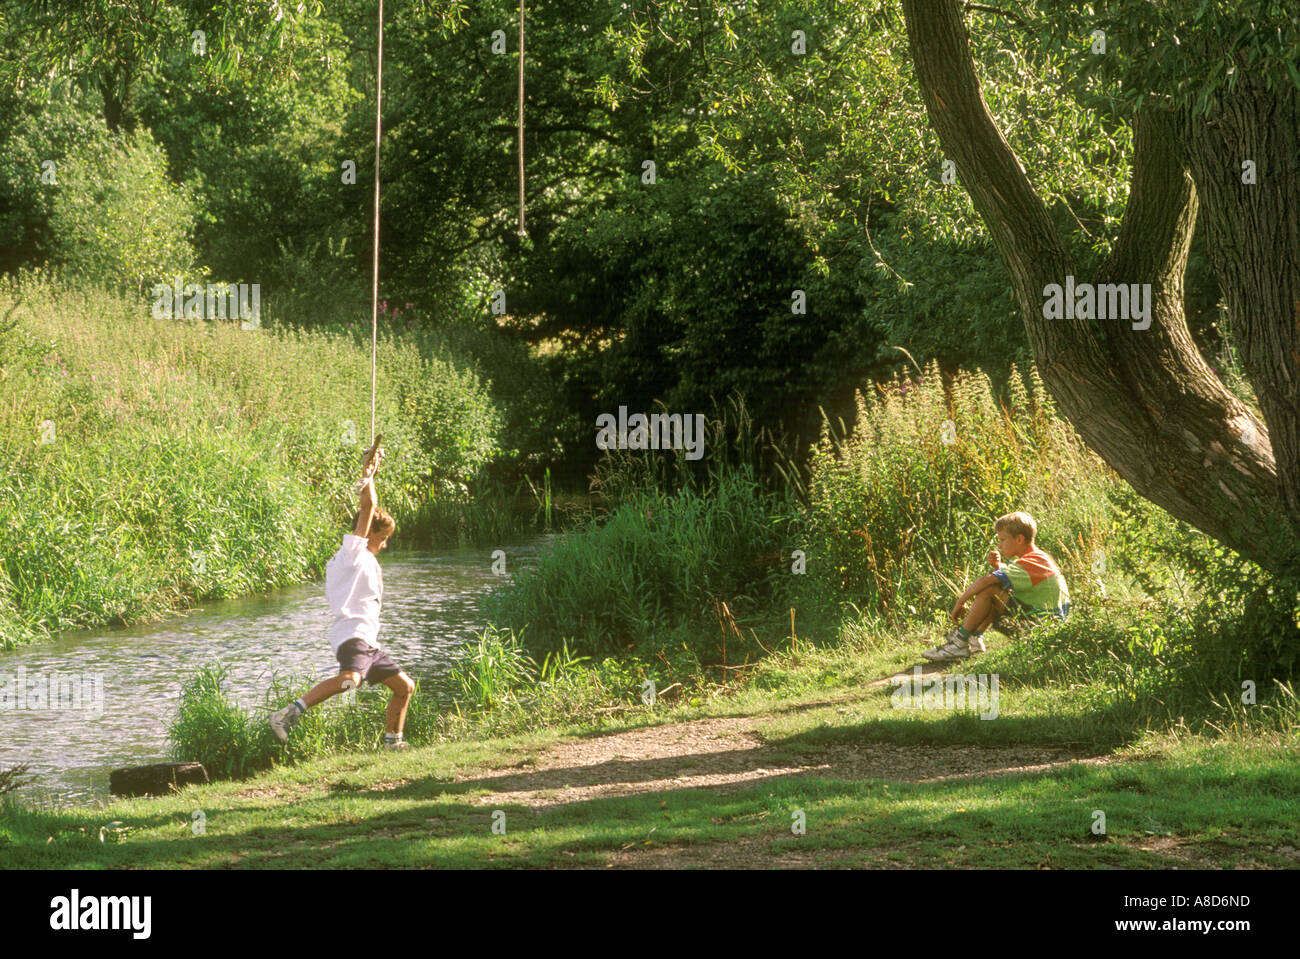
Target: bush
[[117, 219], [211, 730], [37, 127], [652, 567], [1246, 619]]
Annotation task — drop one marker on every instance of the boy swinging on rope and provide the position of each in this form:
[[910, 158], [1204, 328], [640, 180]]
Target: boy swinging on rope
[[354, 587]]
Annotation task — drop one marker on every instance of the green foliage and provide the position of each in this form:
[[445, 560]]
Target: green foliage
[[272, 205], [1247, 619], [843, 125], [954, 307], [500, 688], [210, 729], [37, 129], [110, 47], [19, 350], [494, 669], [902, 507], [1186, 51], [1148, 666], [653, 568], [191, 461], [705, 302], [117, 220]]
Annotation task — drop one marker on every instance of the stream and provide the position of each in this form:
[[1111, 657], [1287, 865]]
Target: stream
[[119, 688]]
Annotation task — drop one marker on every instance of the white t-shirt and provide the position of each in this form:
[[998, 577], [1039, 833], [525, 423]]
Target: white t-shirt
[[354, 586]]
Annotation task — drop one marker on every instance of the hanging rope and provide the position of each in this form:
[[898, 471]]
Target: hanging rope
[[374, 286], [521, 118]]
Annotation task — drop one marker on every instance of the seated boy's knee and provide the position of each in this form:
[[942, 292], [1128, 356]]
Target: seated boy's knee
[[350, 679]]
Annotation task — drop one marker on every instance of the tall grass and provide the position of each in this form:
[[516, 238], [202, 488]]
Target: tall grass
[[676, 543], [148, 464], [901, 506], [651, 569], [495, 687]]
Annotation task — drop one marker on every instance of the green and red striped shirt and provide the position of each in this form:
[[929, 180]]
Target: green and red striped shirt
[[1036, 583]]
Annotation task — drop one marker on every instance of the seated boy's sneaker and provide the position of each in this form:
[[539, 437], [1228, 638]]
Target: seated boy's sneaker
[[955, 648], [284, 720], [976, 644]]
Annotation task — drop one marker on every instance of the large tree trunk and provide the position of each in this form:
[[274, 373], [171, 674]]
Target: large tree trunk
[[1254, 232], [1145, 400]]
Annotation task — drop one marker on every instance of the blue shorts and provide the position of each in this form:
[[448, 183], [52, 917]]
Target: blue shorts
[[358, 656]]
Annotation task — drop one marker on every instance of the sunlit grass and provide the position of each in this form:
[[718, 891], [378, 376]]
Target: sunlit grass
[[149, 464]]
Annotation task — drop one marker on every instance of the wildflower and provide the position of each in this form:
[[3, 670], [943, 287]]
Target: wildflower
[[408, 306]]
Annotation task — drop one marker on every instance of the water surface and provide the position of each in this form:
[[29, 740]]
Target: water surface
[[431, 607]]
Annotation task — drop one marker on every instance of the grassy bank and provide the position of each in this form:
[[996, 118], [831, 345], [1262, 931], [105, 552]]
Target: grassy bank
[[149, 464], [1205, 784], [769, 617], [685, 588]]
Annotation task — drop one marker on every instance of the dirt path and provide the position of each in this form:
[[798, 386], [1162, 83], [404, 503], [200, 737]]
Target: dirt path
[[727, 753]]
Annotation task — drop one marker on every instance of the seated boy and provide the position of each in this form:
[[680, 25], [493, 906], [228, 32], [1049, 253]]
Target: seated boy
[[1030, 579]]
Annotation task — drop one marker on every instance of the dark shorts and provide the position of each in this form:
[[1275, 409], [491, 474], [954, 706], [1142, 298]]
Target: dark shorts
[[374, 665], [1016, 610]]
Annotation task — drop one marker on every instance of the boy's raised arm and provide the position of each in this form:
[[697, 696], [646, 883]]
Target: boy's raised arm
[[365, 509], [368, 498]]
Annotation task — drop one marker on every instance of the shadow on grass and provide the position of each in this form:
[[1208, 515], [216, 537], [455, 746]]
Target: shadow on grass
[[1158, 815]]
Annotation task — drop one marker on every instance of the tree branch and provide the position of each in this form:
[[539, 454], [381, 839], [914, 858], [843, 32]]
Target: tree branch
[[986, 8]]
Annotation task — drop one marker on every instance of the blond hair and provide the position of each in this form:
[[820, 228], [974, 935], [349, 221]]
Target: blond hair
[[1017, 524]]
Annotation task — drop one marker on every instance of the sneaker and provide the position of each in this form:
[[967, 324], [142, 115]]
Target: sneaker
[[976, 644], [955, 648], [394, 743], [283, 721]]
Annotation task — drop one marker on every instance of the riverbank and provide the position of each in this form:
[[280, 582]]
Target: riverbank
[[138, 672], [149, 465], [815, 738]]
